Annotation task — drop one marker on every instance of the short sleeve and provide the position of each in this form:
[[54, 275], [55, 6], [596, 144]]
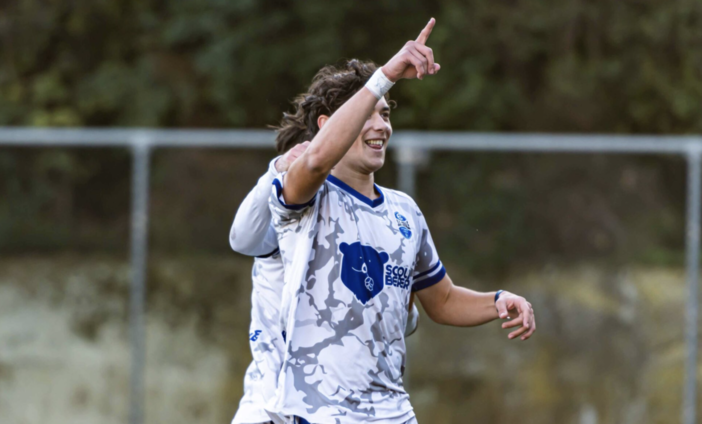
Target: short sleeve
[[428, 269], [282, 211], [269, 243]]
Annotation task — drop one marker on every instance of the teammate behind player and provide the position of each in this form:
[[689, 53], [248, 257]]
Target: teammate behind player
[[353, 252], [252, 234]]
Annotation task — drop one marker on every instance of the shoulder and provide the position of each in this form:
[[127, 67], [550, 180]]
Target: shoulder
[[400, 198], [390, 193]]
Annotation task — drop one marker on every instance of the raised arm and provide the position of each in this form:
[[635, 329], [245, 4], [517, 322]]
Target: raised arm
[[251, 232], [414, 60], [448, 304]]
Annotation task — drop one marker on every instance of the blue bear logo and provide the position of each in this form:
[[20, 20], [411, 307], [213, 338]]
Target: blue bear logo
[[362, 270]]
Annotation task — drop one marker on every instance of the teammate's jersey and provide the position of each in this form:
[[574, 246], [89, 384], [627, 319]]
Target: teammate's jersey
[[266, 340], [350, 265], [251, 234], [251, 407]]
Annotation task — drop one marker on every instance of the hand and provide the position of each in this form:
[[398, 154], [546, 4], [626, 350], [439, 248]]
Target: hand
[[414, 60], [520, 313], [282, 164]]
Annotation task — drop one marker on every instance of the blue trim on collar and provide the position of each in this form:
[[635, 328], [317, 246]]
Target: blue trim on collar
[[342, 185]]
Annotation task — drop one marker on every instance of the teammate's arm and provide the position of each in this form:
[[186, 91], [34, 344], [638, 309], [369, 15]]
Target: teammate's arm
[[251, 232], [412, 320], [448, 304], [337, 135]]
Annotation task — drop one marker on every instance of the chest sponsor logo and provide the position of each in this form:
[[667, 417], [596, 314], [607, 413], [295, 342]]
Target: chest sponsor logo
[[397, 276], [403, 225], [362, 270]]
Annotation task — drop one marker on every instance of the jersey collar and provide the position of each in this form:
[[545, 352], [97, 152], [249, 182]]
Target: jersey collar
[[342, 185]]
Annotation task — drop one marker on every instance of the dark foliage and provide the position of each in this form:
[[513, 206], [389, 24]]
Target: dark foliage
[[534, 66]]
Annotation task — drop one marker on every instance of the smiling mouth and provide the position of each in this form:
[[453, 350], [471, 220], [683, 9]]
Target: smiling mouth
[[375, 144]]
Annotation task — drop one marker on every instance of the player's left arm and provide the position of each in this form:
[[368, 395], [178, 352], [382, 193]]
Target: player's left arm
[[448, 304]]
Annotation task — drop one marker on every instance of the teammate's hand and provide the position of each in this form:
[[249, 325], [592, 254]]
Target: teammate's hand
[[414, 60], [282, 164], [519, 311]]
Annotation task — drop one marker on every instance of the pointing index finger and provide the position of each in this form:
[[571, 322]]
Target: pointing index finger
[[424, 35]]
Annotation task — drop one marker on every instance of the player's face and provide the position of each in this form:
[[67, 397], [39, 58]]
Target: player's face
[[367, 154]]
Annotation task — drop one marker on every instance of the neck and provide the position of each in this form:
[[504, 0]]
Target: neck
[[362, 183]]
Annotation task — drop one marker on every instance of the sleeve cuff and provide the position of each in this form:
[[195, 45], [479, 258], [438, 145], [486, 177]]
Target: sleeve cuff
[[429, 278], [268, 255], [279, 195], [271, 167]]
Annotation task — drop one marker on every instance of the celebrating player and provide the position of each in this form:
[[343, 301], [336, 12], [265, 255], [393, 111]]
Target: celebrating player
[[353, 253], [252, 234]]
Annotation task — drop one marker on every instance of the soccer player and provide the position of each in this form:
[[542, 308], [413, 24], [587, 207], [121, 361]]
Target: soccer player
[[353, 253], [252, 234]]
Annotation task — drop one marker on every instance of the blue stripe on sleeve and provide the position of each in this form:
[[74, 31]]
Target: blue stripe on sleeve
[[278, 193], [432, 269], [428, 282]]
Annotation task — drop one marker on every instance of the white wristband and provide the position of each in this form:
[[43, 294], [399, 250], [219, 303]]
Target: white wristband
[[379, 84]]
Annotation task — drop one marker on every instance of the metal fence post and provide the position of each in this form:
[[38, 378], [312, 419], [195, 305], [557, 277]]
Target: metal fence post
[[408, 159], [141, 152], [406, 171], [693, 251]]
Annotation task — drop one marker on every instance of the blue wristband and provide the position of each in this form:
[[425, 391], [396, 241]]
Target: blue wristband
[[497, 295]]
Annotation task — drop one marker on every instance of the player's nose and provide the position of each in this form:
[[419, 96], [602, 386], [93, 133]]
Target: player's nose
[[381, 125]]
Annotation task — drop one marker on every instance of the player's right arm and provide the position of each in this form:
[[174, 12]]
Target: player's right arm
[[339, 132]]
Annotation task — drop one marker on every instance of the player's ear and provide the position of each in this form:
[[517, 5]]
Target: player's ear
[[343, 247], [321, 120], [384, 257]]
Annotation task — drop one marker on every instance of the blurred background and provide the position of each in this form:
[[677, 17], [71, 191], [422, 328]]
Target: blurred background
[[596, 242]]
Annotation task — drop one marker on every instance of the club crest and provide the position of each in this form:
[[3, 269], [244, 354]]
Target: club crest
[[403, 225]]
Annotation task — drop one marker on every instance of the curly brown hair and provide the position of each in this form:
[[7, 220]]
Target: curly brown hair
[[330, 88]]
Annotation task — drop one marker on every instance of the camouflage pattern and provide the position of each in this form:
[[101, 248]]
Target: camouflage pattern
[[251, 405], [345, 350], [412, 420], [266, 341]]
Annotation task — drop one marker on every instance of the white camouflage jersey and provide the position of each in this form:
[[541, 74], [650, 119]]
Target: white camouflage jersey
[[350, 265]]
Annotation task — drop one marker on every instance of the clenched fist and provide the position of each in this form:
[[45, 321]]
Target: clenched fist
[[282, 164]]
